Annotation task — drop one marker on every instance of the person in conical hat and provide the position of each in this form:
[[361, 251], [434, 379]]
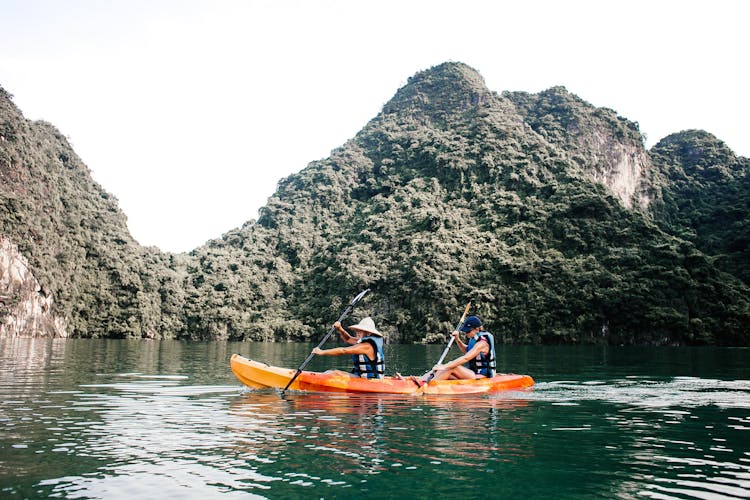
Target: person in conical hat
[[366, 349]]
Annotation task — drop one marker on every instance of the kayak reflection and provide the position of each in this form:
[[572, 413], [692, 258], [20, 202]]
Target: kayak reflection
[[369, 433]]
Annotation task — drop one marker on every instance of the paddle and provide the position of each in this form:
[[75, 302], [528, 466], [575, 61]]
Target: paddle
[[312, 354], [450, 343]]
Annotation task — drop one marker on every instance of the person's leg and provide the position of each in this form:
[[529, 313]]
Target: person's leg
[[463, 373], [459, 372]]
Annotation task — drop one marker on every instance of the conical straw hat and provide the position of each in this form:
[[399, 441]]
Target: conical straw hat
[[367, 325]]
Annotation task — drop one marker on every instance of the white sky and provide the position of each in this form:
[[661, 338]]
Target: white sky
[[190, 112]]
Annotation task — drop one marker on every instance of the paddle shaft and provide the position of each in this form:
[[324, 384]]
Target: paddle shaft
[[450, 342], [312, 354]]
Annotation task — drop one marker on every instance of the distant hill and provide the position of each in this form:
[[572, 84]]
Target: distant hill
[[546, 212]]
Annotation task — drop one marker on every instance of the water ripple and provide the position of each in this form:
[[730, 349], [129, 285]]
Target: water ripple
[[641, 391]]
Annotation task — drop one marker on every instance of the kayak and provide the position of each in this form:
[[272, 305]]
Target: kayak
[[257, 375]]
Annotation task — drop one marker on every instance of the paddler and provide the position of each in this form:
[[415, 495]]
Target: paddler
[[366, 349], [479, 352]]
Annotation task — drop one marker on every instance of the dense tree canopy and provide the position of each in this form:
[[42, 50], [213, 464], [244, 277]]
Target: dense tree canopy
[[452, 193]]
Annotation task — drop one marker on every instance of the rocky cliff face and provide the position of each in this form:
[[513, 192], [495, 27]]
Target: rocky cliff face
[[622, 168], [608, 148], [26, 307]]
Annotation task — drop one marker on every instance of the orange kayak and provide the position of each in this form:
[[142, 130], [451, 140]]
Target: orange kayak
[[258, 375]]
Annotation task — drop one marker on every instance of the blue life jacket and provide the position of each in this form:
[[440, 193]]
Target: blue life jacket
[[365, 367], [484, 364]]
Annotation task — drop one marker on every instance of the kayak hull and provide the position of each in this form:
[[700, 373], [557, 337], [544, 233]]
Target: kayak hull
[[258, 375]]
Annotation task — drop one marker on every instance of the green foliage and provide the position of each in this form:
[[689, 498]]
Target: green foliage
[[452, 193], [706, 198]]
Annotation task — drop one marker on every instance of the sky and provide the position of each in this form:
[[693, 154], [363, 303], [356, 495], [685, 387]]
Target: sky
[[190, 112]]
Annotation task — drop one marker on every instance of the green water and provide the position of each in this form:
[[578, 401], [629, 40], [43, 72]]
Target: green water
[[150, 419]]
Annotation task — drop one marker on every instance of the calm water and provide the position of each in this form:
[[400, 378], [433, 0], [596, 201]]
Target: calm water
[[150, 419]]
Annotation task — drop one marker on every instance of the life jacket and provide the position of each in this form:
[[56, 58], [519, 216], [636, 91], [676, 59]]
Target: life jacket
[[483, 364], [370, 368]]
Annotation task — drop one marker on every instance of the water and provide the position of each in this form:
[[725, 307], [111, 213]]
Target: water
[[167, 419]]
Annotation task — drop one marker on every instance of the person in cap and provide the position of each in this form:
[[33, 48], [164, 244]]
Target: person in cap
[[366, 349], [479, 352]]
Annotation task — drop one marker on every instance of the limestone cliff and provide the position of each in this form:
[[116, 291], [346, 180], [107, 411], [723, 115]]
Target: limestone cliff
[[26, 306], [608, 148]]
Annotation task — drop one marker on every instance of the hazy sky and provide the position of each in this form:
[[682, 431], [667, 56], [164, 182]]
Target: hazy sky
[[190, 112]]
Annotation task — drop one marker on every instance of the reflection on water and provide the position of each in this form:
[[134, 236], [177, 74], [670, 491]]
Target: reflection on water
[[366, 433], [120, 419]]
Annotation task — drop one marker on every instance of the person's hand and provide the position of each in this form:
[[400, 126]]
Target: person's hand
[[456, 334], [337, 325], [317, 350], [438, 368]]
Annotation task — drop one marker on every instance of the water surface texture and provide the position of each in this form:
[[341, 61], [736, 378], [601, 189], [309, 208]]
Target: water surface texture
[[167, 419]]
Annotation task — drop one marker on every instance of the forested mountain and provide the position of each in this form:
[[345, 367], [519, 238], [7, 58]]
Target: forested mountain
[[544, 211], [76, 239]]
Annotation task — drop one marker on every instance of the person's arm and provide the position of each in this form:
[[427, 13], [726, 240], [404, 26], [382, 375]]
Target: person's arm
[[361, 348], [479, 347], [344, 334], [460, 343]]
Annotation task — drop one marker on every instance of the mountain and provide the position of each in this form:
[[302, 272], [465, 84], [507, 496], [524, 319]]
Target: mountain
[[96, 280], [547, 213]]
